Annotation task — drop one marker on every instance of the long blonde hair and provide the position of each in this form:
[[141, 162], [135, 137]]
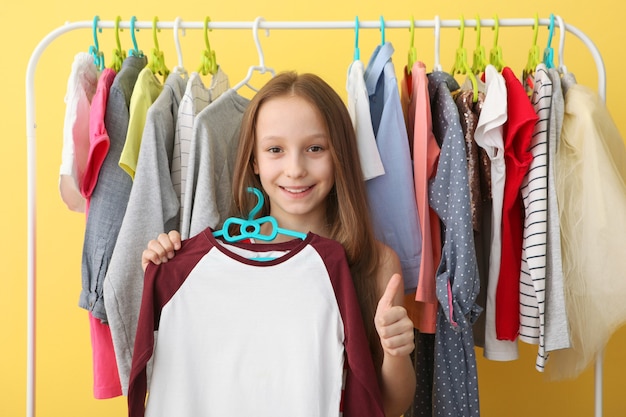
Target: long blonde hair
[[347, 212]]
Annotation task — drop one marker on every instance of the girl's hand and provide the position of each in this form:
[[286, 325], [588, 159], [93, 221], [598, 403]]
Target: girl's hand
[[161, 249], [393, 325]]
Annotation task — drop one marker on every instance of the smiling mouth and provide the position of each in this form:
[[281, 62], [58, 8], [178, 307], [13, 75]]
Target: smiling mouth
[[296, 190]]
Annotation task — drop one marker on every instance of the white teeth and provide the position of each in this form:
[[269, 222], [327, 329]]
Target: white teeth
[[296, 190]]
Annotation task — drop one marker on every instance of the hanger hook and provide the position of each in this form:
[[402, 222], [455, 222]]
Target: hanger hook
[[206, 34], [135, 51], [496, 28], [255, 35], [462, 29], [259, 203], [357, 52], [117, 33], [437, 66], [551, 30], [536, 29], [412, 31], [179, 51], [154, 32], [477, 28], [562, 31], [96, 19], [382, 29]]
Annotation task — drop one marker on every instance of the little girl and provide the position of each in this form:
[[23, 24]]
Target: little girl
[[298, 145]]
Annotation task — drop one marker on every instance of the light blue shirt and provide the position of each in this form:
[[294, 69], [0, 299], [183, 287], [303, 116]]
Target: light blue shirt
[[391, 196]]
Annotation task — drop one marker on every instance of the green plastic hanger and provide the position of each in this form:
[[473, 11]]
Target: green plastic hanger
[[119, 55], [534, 55], [94, 50], [460, 62], [157, 59], [479, 61], [495, 55], [208, 63], [412, 51]]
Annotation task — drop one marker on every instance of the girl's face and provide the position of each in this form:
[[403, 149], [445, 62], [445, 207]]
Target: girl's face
[[293, 161]]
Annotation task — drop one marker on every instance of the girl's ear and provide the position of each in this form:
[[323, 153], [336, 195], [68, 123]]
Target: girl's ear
[[255, 166]]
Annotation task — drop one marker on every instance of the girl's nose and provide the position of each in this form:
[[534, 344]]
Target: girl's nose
[[295, 167]]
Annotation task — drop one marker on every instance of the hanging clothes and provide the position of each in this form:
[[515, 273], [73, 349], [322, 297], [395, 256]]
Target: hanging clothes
[[81, 87], [146, 90], [489, 136], [211, 163], [105, 374], [110, 196], [557, 327], [391, 197], [196, 98], [153, 208], [456, 380], [517, 136], [590, 171], [99, 141], [422, 305], [534, 191], [239, 361], [359, 110]]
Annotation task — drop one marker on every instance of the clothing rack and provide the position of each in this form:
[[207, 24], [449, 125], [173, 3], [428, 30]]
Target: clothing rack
[[437, 24]]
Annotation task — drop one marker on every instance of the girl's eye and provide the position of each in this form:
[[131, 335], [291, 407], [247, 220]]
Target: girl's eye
[[274, 149], [316, 148]]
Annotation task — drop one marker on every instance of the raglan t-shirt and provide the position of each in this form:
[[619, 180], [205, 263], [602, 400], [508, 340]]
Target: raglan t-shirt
[[238, 336]]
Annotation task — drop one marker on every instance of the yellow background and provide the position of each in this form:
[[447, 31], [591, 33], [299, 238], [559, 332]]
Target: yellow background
[[64, 378]]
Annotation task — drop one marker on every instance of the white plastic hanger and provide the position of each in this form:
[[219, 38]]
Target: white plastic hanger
[[261, 68], [562, 30], [180, 68], [437, 66]]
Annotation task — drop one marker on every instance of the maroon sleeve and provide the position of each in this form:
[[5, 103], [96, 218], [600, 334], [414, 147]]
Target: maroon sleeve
[[160, 283], [362, 396]]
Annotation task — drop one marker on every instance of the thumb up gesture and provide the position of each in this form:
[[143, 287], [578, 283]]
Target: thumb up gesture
[[393, 325]]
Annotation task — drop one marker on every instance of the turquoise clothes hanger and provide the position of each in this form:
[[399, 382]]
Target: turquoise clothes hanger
[[357, 51], [135, 51], [251, 228], [382, 30], [94, 50], [548, 53]]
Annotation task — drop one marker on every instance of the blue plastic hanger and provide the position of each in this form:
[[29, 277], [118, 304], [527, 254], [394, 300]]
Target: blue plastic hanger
[[94, 50], [135, 51], [382, 30], [357, 52], [548, 53], [251, 228]]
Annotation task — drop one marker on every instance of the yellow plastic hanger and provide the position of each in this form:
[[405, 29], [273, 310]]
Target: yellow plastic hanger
[[412, 51], [479, 61], [495, 55], [119, 55], [460, 62], [157, 59], [208, 63], [534, 55]]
